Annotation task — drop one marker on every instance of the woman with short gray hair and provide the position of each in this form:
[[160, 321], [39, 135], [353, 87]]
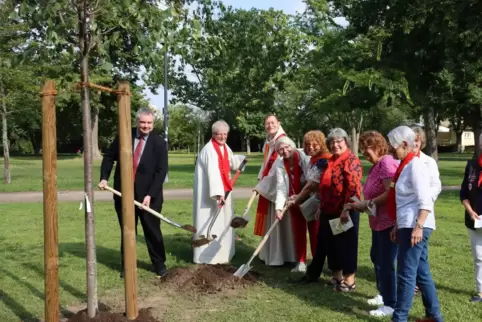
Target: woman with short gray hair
[[410, 203], [339, 182]]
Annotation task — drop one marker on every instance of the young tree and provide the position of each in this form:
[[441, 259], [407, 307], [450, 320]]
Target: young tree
[[118, 36]]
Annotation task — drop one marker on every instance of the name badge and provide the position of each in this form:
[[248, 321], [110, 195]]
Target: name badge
[[470, 186]]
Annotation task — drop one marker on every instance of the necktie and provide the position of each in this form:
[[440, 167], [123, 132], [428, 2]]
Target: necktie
[[137, 155]]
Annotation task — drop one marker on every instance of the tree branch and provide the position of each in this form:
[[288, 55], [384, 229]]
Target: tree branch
[[109, 30], [197, 74]]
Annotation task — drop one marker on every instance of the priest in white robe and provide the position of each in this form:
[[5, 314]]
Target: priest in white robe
[[212, 179]]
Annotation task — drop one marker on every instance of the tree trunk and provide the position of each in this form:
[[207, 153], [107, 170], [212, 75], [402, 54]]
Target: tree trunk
[[354, 141], [6, 152], [96, 155], [429, 121], [243, 144], [36, 145], [92, 304], [458, 141], [248, 145]]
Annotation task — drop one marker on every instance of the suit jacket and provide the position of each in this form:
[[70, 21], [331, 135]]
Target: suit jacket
[[151, 171]]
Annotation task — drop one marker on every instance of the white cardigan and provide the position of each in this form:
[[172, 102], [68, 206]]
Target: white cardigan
[[282, 180]]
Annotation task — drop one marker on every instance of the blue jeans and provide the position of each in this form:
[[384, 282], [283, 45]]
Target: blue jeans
[[413, 269], [383, 254]]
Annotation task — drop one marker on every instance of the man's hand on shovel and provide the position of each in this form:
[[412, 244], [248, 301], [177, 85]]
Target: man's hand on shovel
[[102, 184], [146, 202]]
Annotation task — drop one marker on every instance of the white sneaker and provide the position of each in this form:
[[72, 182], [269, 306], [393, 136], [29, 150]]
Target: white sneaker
[[382, 311], [300, 268], [376, 301]]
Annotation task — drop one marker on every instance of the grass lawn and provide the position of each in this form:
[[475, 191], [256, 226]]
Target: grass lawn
[[26, 172], [274, 299]]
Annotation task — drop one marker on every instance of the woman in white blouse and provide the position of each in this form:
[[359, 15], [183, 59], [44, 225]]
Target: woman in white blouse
[[429, 163], [290, 178], [410, 201]]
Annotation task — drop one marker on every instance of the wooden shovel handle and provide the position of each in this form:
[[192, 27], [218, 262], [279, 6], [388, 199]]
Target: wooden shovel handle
[[251, 200], [149, 210], [266, 236]]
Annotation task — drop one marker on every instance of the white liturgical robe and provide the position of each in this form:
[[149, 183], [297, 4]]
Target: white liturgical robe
[[207, 185]]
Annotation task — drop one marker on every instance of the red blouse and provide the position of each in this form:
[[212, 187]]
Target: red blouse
[[345, 181]]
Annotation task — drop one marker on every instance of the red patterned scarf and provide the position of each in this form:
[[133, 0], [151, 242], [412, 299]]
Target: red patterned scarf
[[333, 162], [315, 158]]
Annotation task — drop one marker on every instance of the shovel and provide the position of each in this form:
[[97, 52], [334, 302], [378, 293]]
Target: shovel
[[204, 240], [244, 269], [188, 228], [241, 222]]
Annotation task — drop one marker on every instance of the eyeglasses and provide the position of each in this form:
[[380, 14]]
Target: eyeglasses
[[338, 142]]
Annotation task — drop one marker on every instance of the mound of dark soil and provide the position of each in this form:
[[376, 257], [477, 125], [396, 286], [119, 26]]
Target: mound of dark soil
[[144, 316], [207, 279]]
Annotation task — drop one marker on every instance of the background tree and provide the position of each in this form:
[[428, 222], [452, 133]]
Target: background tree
[[240, 61]]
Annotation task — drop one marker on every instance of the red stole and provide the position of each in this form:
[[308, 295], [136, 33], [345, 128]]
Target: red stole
[[223, 165], [263, 203], [294, 183], [480, 165], [392, 198]]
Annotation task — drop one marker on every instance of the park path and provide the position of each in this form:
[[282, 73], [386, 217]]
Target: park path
[[169, 194]]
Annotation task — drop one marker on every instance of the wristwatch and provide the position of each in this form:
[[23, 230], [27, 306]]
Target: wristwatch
[[419, 224]]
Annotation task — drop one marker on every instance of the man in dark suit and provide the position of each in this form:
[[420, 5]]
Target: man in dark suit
[[150, 168]]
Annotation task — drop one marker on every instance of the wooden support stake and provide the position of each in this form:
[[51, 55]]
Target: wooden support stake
[[51, 241], [127, 190]]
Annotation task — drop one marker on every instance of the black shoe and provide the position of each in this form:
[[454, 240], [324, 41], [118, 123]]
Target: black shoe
[[476, 298], [161, 273], [306, 280]]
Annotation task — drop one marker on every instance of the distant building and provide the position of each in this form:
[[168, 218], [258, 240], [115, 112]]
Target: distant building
[[446, 136]]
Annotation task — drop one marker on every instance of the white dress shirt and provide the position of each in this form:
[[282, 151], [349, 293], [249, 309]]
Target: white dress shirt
[[432, 168], [413, 192]]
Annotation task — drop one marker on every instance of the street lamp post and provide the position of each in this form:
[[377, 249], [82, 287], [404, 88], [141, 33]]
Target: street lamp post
[[166, 110]]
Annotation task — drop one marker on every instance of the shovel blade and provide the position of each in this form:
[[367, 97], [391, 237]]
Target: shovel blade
[[201, 242], [239, 222], [243, 270]]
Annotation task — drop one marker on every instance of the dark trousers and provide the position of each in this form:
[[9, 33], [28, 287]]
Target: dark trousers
[[341, 250], [151, 226], [383, 254]]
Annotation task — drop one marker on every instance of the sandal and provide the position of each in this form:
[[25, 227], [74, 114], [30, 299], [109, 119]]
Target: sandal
[[334, 281], [345, 288]]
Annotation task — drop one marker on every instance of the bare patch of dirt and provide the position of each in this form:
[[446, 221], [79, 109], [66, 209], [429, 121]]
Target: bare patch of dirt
[[144, 316], [207, 279]]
